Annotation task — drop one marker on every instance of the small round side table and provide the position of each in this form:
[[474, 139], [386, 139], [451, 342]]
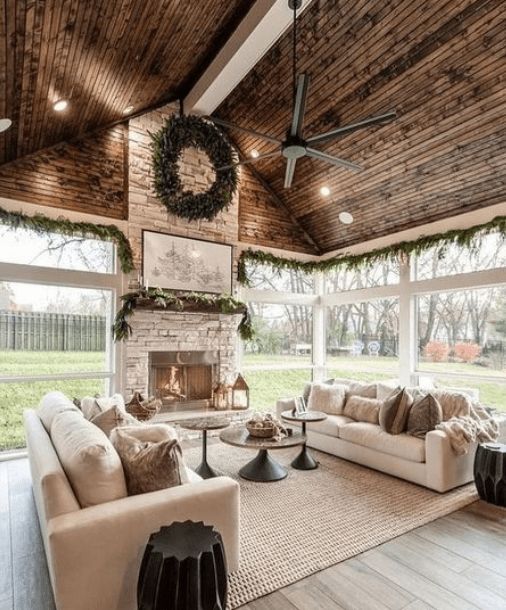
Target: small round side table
[[490, 472], [304, 461], [183, 567], [204, 424]]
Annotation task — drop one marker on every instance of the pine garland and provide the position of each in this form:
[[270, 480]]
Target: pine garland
[[156, 298], [41, 225], [469, 238]]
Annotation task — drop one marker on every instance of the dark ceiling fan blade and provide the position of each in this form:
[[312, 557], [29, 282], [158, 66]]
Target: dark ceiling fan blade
[[317, 154], [251, 132], [252, 160], [290, 171], [342, 131], [299, 106]]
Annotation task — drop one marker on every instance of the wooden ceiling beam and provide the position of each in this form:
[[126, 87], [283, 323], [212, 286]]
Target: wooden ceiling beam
[[263, 25]]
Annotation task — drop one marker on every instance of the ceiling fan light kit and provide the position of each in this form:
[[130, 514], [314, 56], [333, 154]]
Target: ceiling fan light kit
[[295, 146]]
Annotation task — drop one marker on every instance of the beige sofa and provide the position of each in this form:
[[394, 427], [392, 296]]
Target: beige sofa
[[430, 462], [94, 553]]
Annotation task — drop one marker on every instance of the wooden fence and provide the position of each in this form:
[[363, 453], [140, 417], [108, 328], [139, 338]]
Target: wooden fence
[[42, 331]]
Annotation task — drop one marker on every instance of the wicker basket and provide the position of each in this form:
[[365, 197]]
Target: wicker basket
[[261, 432], [143, 409]]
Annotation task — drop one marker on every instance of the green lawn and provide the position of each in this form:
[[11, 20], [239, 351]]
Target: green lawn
[[15, 397], [265, 386]]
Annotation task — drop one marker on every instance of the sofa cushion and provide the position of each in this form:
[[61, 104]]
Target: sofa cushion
[[360, 408], [51, 405], [367, 390], [90, 461], [453, 404], [91, 406], [307, 388], [330, 426], [384, 389], [152, 458], [394, 412], [424, 415], [327, 398], [111, 418], [372, 436]]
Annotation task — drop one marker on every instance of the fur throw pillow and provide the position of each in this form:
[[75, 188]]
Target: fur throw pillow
[[329, 399], [453, 404], [152, 458], [363, 409], [424, 416], [367, 390], [394, 412]]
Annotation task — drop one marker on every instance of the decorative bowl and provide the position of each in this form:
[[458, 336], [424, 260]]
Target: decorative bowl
[[261, 432]]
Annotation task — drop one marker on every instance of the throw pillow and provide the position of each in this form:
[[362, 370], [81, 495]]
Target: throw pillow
[[363, 409], [91, 463], [453, 404], [367, 390], [149, 465], [51, 405], [424, 416], [308, 386], [384, 389], [113, 417], [327, 398], [93, 405], [394, 412]]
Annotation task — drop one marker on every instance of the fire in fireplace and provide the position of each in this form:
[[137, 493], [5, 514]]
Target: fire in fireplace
[[183, 380]]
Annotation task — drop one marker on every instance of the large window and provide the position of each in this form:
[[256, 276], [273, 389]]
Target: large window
[[57, 298], [363, 339], [431, 319]]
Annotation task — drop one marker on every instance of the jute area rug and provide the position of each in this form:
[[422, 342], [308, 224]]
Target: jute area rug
[[314, 519]]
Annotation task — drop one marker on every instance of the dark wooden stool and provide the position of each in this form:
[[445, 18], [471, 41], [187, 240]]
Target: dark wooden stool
[[183, 568], [490, 472]]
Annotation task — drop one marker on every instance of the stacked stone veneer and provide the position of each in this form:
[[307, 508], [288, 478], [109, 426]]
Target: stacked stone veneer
[[172, 331], [164, 331]]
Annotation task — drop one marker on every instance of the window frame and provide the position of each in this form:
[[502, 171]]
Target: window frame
[[66, 278]]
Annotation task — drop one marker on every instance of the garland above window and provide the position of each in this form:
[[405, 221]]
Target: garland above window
[[351, 262], [156, 298], [41, 225], [178, 133]]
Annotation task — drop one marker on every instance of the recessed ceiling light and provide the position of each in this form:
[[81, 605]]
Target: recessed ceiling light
[[325, 191], [5, 124], [346, 218], [128, 110], [60, 105], [254, 153]]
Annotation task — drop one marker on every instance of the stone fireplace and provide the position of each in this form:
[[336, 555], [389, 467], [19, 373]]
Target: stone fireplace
[[183, 380], [180, 357]]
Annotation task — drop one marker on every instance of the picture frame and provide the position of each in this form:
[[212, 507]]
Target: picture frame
[[300, 405], [185, 264]]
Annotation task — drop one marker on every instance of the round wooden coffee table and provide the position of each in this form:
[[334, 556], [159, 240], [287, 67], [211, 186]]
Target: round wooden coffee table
[[262, 467], [204, 424], [304, 461]]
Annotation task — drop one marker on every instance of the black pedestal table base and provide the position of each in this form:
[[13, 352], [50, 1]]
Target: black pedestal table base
[[304, 461], [263, 468]]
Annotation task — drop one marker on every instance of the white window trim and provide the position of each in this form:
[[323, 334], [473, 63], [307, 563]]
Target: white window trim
[[34, 274], [406, 290]]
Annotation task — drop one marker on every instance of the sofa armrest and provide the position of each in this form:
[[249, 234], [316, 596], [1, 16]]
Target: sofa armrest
[[284, 404], [445, 469], [96, 552]]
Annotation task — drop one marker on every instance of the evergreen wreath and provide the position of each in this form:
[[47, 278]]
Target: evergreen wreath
[[178, 133], [41, 225]]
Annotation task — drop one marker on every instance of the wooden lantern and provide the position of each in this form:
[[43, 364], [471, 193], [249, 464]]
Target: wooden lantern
[[220, 397], [240, 393]]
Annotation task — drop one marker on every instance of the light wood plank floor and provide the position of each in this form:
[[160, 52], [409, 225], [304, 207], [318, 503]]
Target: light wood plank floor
[[457, 562]]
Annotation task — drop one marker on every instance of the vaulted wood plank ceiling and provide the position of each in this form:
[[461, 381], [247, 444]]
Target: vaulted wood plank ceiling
[[102, 55], [439, 63]]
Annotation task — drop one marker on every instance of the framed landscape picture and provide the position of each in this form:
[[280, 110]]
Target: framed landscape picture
[[179, 263]]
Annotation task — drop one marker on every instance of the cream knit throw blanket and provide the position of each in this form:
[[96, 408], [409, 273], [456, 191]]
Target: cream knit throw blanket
[[479, 426]]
